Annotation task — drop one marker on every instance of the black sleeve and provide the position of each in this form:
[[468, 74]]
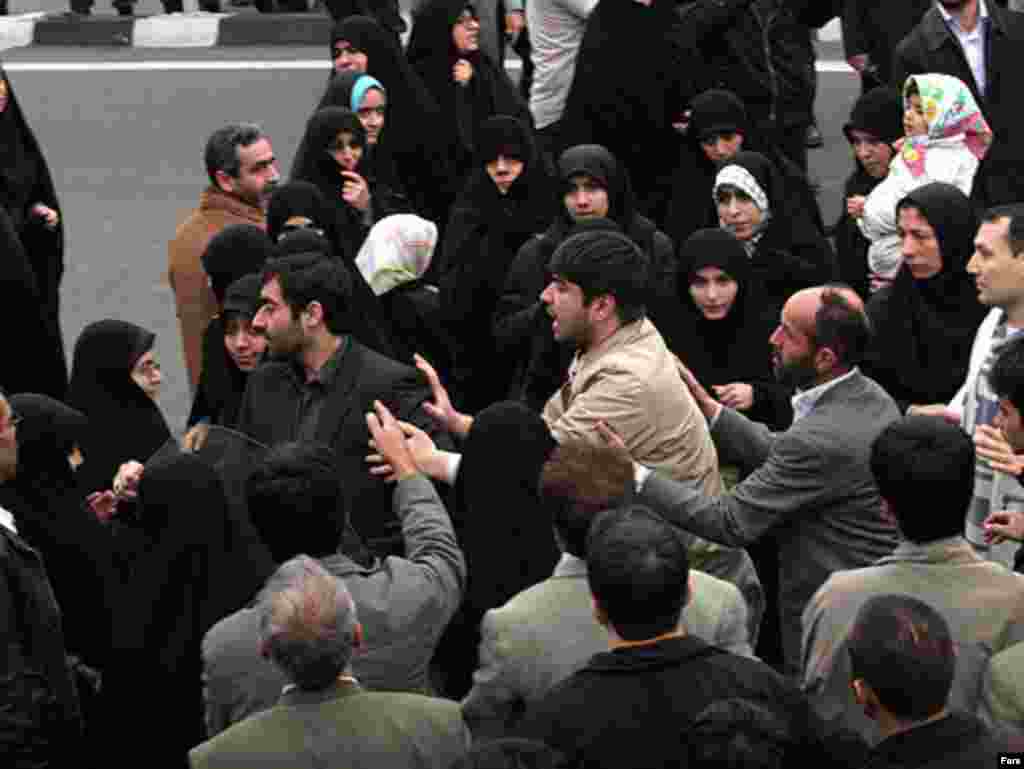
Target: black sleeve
[[519, 308]]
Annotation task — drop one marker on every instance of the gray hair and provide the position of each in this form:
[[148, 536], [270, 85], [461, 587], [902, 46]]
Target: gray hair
[[307, 623], [222, 148]]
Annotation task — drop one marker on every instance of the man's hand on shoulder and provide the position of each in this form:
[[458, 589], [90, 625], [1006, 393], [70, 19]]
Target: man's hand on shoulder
[[388, 438]]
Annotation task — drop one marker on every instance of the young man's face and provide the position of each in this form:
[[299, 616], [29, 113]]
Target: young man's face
[[275, 321], [998, 272], [564, 303]]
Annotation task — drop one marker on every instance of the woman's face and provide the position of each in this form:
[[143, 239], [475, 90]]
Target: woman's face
[[873, 153], [75, 458], [586, 198], [738, 213], [504, 171], [146, 374], [346, 152], [466, 32], [348, 58], [714, 292], [724, 146], [244, 345], [371, 114]]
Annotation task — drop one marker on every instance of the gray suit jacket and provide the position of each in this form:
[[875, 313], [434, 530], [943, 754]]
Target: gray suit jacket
[[548, 631], [404, 605], [342, 726], [812, 484]]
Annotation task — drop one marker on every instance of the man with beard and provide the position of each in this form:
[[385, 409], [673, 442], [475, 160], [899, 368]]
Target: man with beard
[[981, 43], [322, 381], [811, 486], [243, 173]]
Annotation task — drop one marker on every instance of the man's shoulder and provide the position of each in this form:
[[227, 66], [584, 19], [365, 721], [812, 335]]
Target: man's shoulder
[[224, 638], [541, 605], [402, 704]]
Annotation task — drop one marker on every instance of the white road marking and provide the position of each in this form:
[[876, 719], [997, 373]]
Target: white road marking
[[172, 65]]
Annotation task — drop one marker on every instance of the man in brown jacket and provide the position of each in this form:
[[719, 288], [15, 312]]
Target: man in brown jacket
[[243, 172]]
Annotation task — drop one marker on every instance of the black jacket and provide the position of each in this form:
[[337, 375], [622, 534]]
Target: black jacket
[[931, 47], [634, 707], [958, 741], [269, 414], [876, 27]]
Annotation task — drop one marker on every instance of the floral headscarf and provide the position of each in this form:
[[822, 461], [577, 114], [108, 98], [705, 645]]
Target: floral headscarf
[[951, 111]]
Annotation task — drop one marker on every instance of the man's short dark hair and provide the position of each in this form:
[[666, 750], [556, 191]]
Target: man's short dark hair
[[578, 482], [841, 326], [638, 571], [924, 469], [1014, 212], [602, 263], [901, 647], [511, 753], [306, 278], [295, 501], [222, 148], [1007, 375]]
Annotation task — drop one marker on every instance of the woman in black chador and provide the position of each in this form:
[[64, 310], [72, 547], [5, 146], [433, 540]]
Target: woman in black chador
[[30, 201]]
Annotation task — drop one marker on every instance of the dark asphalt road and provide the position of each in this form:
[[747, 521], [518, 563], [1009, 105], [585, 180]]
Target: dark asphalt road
[[126, 148]]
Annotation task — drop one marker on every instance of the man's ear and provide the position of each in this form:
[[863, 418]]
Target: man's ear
[[224, 181], [314, 313], [600, 614]]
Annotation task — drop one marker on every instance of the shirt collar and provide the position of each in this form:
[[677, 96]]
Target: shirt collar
[[7, 520], [951, 20], [805, 400], [570, 566], [325, 376]]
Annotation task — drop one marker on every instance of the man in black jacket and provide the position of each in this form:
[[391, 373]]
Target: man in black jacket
[[321, 382], [642, 696], [989, 64]]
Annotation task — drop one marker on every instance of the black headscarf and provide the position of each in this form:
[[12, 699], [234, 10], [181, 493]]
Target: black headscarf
[[506, 537], [433, 54], [414, 136], [630, 109], [735, 348], [879, 112], [24, 181], [377, 165], [124, 423], [47, 508], [294, 199], [187, 578], [237, 250], [222, 384], [924, 329], [483, 236]]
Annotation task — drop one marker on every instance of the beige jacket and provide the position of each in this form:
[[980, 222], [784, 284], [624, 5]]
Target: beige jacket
[[194, 298], [632, 382]]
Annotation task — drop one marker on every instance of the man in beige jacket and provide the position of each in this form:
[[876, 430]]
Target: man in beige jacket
[[243, 173]]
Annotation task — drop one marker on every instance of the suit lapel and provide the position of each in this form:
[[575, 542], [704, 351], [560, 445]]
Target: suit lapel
[[339, 401]]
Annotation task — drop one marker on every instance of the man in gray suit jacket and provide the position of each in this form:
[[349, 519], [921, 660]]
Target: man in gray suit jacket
[[309, 628], [406, 602], [548, 631], [811, 485]]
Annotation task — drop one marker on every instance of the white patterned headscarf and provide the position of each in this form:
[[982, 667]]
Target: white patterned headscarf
[[741, 178], [397, 250]]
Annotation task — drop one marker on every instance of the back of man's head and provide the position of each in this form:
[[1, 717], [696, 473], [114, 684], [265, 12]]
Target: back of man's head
[[602, 262], [308, 623], [295, 502], [221, 152], [924, 469], [902, 649], [842, 325], [579, 481], [308, 277], [638, 571]]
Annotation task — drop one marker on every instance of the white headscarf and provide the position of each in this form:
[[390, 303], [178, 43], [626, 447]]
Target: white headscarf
[[397, 250]]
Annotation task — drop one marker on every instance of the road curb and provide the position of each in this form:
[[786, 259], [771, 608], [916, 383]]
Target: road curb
[[175, 30]]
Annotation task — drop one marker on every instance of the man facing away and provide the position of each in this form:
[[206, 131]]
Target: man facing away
[[243, 173], [309, 628]]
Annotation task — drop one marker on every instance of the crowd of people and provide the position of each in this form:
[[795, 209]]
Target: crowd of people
[[544, 425]]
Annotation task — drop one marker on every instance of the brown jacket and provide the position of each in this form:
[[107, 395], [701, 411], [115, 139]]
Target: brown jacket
[[192, 293]]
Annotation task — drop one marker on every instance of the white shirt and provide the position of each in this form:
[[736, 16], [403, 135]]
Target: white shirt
[[973, 43], [804, 401], [7, 521]]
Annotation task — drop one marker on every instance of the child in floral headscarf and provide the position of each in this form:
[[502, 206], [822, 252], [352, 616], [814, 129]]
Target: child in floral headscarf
[[946, 136]]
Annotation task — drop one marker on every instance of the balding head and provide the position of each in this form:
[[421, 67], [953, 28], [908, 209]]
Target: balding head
[[308, 623], [823, 333]]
